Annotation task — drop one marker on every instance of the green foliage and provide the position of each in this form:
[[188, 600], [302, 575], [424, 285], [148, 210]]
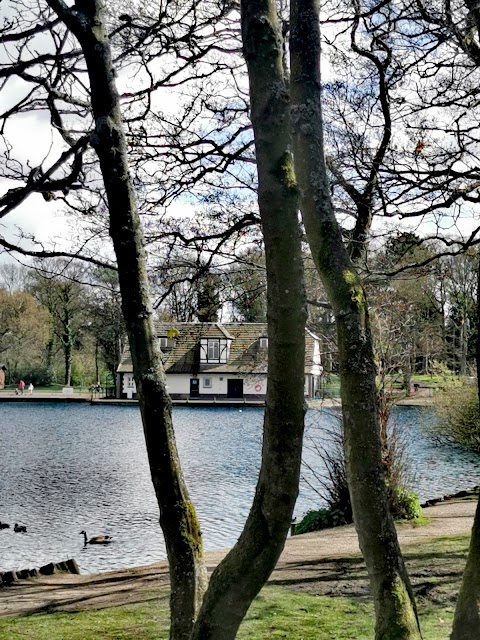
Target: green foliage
[[208, 297], [440, 370], [320, 519], [23, 332], [330, 386], [331, 483], [38, 376], [404, 504], [458, 414]]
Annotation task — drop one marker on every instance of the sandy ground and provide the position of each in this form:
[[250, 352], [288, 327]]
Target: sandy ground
[[314, 562]]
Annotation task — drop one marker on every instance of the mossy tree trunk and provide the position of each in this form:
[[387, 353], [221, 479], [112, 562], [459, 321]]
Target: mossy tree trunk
[[395, 609], [238, 579], [177, 516], [466, 622]]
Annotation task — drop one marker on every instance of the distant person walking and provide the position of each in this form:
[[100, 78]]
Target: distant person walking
[[21, 387], [30, 388]]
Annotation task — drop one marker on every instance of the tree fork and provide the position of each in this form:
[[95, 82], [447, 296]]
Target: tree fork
[[241, 575]]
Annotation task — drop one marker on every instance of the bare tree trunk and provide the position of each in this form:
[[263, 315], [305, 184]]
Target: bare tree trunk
[[238, 579], [407, 376], [394, 603], [49, 352], [97, 369], [462, 359], [177, 515], [466, 622], [67, 352]]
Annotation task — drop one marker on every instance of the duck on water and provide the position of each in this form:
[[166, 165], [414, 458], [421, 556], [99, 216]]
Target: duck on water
[[95, 539]]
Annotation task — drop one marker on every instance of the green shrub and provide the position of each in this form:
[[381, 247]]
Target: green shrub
[[38, 376], [404, 504], [458, 415], [318, 520], [329, 480]]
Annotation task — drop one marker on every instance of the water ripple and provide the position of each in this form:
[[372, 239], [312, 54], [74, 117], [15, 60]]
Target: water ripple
[[72, 467]]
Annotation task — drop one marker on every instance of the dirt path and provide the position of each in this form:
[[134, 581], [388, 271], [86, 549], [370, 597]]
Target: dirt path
[[314, 562]]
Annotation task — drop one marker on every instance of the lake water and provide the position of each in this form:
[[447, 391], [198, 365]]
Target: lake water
[[71, 467]]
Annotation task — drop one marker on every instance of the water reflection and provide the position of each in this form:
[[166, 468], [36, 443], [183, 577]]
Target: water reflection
[[72, 467]]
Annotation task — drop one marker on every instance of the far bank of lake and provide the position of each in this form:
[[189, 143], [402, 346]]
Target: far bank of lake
[[71, 467]]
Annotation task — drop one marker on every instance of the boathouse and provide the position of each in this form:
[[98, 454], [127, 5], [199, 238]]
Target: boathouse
[[217, 361]]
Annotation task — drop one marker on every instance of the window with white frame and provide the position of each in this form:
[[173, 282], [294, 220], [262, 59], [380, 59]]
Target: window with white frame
[[163, 342], [213, 350], [130, 382], [207, 383], [263, 343]]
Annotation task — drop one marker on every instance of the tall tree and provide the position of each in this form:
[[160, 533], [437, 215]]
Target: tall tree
[[13, 277], [466, 622], [58, 287], [394, 604], [238, 579], [177, 516], [106, 318], [23, 332], [458, 24], [246, 568], [245, 283], [208, 296]]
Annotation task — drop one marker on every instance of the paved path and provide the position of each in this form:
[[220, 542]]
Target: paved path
[[302, 563]]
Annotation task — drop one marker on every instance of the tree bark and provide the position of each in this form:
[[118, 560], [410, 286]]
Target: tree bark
[[466, 622], [49, 352], [238, 579], [67, 352], [396, 616], [177, 515]]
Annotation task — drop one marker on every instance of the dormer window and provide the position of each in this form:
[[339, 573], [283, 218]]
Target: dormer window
[[163, 342], [263, 343], [213, 350]]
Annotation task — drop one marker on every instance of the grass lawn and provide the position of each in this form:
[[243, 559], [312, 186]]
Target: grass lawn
[[278, 612], [331, 385]]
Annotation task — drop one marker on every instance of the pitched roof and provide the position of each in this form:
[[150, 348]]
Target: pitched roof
[[246, 355]]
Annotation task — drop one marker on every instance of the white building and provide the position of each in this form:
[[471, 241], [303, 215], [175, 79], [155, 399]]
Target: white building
[[212, 360]]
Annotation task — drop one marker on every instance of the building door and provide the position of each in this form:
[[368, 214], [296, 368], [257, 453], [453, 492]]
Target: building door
[[235, 388], [194, 387]]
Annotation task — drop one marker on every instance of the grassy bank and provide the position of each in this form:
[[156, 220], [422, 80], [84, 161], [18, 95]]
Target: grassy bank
[[295, 610]]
